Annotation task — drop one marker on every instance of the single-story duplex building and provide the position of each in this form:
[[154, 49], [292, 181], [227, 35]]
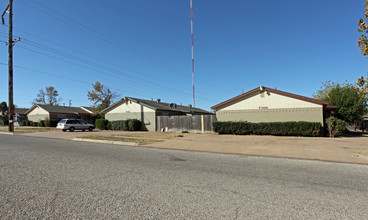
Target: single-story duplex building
[[264, 104], [54, 112], [147, 110]]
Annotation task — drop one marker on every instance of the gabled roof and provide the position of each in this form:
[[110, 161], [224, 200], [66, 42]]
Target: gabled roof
[[155, 105], [262, 88], [59, 109], [20, 111], [88, 109]]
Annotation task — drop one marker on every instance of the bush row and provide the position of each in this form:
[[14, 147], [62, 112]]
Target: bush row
[[121, 125], [4, 120], [41, 123], [301, 128]]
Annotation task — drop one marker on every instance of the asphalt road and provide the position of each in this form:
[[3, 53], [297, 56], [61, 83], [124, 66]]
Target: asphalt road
[[60, 179]]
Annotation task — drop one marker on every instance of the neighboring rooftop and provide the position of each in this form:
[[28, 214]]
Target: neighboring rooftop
[[20, 111], [91, 109], [158, 105], [60, 109]]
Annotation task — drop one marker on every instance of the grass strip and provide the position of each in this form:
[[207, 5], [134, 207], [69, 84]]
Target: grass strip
[[122, 139]]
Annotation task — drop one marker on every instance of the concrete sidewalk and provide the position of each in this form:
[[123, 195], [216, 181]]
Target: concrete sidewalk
[[345, 149]]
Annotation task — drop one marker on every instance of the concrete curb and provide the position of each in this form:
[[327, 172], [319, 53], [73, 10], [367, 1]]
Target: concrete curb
[[8, 133], [105, 141]]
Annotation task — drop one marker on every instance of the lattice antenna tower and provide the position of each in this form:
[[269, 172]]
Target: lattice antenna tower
[[191, 31]]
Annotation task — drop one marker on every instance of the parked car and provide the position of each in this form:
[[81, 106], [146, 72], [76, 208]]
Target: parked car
[[74, 124]]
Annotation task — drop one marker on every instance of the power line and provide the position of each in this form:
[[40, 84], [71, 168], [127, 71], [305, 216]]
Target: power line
[[116, 73], [111, 41], [132, 79], [107, 39], [69, 79], [135, 79]]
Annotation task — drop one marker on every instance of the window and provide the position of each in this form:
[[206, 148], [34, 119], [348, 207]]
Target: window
[[262, 95]]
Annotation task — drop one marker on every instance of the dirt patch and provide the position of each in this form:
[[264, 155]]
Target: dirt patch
[[343, 149], [22, 130], [147, 134], [139, 141]]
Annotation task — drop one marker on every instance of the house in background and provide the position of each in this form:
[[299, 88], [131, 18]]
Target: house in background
[[51, 112], [147, 111], [270, 105], [20, 114]]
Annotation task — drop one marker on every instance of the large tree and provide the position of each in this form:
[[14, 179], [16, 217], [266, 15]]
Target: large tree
[[325, 90], [101, 96], [50, 97], [362, 84], [4, 113], [351, 104]]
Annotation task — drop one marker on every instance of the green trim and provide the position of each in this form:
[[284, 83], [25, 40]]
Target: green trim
[[140, 103], [116, 103]]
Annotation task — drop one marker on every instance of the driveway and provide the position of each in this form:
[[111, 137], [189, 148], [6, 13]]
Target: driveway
[[345, 149]]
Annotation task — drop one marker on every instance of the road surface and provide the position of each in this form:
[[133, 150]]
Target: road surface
[[61, 179]]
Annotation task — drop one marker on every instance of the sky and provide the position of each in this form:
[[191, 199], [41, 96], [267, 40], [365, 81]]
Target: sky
[[142, 48]]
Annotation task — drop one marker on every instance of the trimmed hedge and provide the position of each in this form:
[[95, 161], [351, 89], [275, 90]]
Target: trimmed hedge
[[48, 123], [134, 125], [300, 128], [125, 125], [4, 120], [119, 125], [102, 124]]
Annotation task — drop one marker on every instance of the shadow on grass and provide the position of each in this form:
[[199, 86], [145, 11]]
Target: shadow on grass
[[355, 134]]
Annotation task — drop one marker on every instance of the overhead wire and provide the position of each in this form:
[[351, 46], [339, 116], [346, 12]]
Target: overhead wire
[[104, 37], [84, 60], [70, 79], [118, 75], [110, 40]]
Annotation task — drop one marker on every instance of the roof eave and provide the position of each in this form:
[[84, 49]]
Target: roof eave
[[32, 108], [230, 101], [142, 103]]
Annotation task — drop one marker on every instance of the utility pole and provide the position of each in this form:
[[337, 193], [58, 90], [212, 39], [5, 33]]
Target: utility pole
[[10, 63]]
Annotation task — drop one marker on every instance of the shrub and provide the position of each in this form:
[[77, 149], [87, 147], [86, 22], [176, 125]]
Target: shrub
[[102, 123], [134, 125], [118, 125], [125, 125], [336, 127], [24, 123], [42, 123], [301, 128], [34, 124], [4, 120], [53, 123]]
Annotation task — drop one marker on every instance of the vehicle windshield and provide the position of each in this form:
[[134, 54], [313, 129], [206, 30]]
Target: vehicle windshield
[[62, 121], [82, 122]]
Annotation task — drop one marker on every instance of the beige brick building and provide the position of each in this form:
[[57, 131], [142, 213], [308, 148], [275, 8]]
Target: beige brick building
[[147, 111], [270, 105]]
